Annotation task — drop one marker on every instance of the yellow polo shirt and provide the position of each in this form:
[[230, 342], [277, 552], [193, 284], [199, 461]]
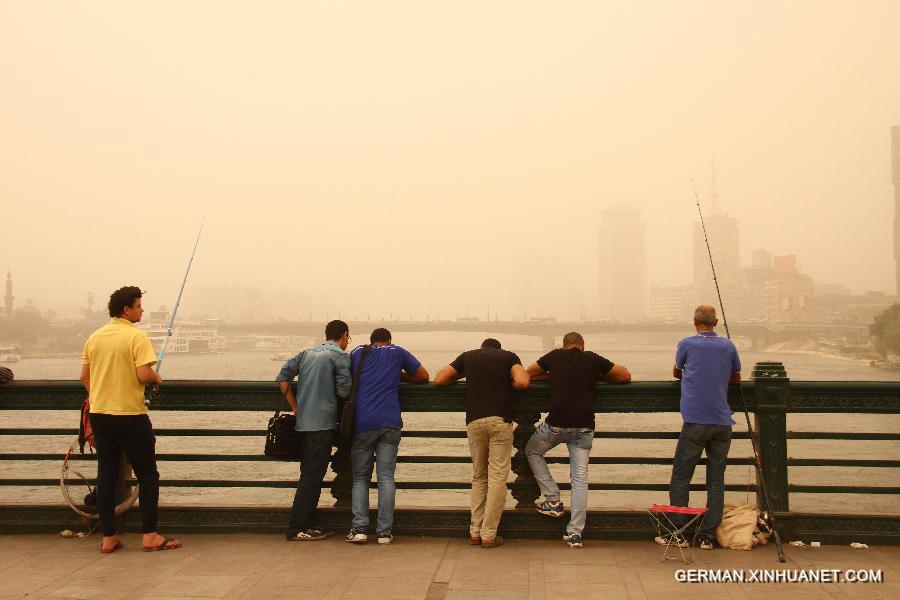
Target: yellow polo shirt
[[114, 352]]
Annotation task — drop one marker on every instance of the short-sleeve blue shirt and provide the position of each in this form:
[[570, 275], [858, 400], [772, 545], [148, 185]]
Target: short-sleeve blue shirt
[[377, 399], [707, 362]]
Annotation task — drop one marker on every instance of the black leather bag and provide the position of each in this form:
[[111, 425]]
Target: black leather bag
[[348, 410], [282, 440]]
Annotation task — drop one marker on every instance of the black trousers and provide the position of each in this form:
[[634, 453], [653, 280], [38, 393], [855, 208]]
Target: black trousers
[[316, 455], [133, 436]]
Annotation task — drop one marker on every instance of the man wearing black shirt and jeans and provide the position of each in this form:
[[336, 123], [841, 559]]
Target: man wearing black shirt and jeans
[[573, 375], [490, 374]]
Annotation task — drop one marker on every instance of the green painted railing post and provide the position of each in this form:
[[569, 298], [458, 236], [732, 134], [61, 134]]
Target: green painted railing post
[[772, 395], [525, 488], [342, 486]]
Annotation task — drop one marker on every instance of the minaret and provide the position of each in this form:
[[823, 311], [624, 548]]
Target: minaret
[[8, 298]]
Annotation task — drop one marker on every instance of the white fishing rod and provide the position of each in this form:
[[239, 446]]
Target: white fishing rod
[[154, 394]]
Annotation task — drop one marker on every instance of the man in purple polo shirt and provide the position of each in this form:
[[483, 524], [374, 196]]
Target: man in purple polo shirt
[[705, 363]]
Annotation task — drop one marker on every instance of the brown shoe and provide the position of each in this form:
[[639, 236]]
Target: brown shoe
[[497, 541], [475, 540]]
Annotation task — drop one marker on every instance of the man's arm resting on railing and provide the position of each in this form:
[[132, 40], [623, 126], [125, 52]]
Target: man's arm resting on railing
[[520, 377], [676, 372], [420, 376], [537, 373], [287, 390], [447, 375], [735, 378], [618, 374], [86, 377]]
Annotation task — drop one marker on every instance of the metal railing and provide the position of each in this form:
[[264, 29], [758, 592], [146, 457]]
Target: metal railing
[[770, 396]]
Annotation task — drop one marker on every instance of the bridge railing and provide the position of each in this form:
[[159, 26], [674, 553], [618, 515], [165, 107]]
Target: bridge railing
[[770, 397]]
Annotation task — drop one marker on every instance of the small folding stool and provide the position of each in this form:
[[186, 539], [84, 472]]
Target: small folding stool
[[672, 533]]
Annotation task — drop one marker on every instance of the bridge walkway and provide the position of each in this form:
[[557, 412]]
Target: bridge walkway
[[264, 567]]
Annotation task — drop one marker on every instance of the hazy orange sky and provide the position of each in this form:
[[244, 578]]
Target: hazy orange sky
[[419, 157]]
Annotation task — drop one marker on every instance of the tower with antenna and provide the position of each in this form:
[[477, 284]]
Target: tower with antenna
[[8, 298], [724, 235]]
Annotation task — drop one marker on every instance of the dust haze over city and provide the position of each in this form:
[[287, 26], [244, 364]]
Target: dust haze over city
[[411, 161]]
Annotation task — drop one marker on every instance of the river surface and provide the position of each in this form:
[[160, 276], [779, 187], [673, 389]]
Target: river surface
[[648, 357]]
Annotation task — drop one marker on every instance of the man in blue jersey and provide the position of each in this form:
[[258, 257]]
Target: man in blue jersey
[[376, 430], [705, 363]]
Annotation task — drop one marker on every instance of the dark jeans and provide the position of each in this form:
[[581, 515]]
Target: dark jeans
[[133, 436], [693, 440], [316, 455]]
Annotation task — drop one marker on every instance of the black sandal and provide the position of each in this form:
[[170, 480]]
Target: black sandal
[[163, 545]]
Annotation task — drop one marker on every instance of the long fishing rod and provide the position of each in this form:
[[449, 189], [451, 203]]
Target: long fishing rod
[[154, 395], [767, 501]]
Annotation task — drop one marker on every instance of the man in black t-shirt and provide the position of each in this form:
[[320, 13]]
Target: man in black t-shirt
[[490, 374], [573, 375]]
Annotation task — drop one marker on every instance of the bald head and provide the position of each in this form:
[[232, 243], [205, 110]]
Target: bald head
[[573, 339], [705, 315]]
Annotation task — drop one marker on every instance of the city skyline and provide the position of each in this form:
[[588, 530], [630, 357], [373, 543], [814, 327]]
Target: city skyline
[[407, 158]]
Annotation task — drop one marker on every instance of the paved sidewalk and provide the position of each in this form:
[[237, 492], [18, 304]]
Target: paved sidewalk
[[248, 566]]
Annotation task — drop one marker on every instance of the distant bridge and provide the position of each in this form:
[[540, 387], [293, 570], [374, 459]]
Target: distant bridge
[[761, 334]]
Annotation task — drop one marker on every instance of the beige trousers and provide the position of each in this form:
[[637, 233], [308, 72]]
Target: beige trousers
[[490, 443]]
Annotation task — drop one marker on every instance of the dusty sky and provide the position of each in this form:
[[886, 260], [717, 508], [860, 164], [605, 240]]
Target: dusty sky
[[417, 158]]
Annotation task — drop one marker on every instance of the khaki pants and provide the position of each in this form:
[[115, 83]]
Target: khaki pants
[[490, 443]]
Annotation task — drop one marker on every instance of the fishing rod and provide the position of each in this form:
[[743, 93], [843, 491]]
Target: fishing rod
[[154, 394], [768, 514]]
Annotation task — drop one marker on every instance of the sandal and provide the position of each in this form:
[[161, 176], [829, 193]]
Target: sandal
[[164, 545], [111, 550]]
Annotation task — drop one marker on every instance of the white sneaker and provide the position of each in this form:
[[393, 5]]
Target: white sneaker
[[385, 538], [671, 541], [357, 536]]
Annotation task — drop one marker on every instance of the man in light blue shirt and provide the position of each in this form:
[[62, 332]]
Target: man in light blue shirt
[[705, 363], [324, 374]]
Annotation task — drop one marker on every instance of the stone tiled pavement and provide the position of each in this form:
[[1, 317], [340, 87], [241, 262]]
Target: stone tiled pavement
[[248, 566]]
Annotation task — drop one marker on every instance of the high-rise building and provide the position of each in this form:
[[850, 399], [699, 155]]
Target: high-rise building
[[895, 171], [724, 245], [622, 248], [8, 297]]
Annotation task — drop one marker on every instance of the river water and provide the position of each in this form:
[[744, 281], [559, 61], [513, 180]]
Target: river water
[[648, 357]]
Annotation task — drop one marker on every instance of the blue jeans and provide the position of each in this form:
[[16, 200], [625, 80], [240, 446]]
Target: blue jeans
[[377, 447], [693, 440], [579, 440]]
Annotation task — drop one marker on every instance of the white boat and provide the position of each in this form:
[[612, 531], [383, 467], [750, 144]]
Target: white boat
[[9, 358]]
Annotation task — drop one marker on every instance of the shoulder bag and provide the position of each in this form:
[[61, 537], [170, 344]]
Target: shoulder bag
[[348, 412], [283, 441]]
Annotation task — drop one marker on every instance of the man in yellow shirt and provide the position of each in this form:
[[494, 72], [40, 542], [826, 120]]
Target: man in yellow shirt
[[116, 365]]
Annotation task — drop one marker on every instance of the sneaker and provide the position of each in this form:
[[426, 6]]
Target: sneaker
[[573, 540], [670, 540], [313, 534], [706, 544], [550, 508], [385, 537], [497, 541], [475, 540], [357, 535]]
